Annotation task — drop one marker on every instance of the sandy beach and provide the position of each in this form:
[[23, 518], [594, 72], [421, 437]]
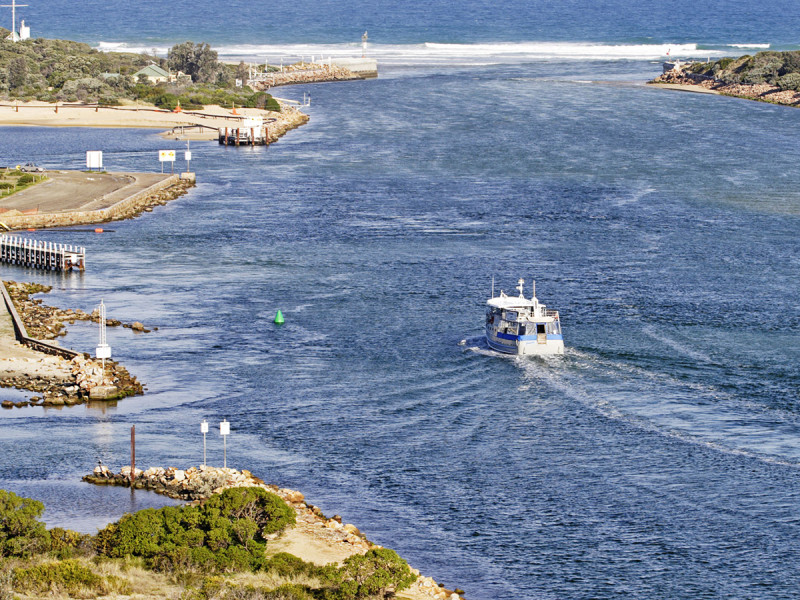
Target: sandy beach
[[211, 118]]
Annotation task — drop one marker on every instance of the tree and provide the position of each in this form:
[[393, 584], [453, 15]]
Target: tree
[[198, 61], [17, 72], [21, 533], [375, 574]]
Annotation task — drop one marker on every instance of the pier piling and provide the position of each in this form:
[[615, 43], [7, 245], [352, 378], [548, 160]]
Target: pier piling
[[38, 254]]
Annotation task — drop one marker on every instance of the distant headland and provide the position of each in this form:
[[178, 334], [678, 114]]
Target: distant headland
[[190, 92], [768, 76]]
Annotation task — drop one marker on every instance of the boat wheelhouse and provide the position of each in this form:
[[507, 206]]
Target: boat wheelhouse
[[517, 325]]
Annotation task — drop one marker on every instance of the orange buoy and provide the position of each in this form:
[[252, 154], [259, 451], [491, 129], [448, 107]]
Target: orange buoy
[[98, 230], [178, 108], [31, 230]]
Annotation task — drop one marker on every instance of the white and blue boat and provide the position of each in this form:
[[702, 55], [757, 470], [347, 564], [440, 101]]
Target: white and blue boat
[[516, 325]]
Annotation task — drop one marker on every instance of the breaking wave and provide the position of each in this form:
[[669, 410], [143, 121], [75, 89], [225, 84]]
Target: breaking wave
[[431, 53]]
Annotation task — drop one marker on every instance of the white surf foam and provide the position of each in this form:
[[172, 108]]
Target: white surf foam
[[435, 53]]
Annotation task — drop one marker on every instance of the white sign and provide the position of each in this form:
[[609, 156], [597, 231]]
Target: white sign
[[94, 159], [224, 428], [253, 122], [187, 155], [204, 427], [103, 351], [238, 83], [166, 155]]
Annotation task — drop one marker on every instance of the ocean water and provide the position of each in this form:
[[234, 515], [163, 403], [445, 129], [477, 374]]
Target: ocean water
[[658, 458]]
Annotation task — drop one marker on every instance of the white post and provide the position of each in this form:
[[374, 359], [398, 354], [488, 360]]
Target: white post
[[224, 431], [103, 349], [204, 429]]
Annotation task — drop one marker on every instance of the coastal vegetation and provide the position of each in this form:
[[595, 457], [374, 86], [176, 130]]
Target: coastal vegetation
[[67, 71], [217, 550], [780, 69], [14, 180]]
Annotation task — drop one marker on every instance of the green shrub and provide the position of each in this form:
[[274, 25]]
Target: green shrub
[[21, 533], [65, 543], [166, 101], [227, 533], [6, 185], [377, 574], [67, 577], [25, 179], [790, 81]]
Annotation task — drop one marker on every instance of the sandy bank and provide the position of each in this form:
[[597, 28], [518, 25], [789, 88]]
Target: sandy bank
[[211, 118], [685, 87]]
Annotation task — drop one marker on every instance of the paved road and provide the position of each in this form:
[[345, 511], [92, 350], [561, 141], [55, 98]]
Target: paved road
[[76, 190]]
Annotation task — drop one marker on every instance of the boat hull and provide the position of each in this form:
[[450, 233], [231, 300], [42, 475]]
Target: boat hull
[[525, 345]]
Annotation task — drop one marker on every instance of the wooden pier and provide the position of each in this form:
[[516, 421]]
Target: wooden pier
[[244, 137], [38, 254]]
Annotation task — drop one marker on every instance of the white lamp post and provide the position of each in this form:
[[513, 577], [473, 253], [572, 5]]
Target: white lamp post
[[224, 431], [204, 429]]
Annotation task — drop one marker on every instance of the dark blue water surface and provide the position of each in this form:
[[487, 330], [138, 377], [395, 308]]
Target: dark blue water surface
[[658, 458], [470, 21]]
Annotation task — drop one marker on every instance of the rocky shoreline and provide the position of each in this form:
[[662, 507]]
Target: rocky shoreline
[[56, 380], [333, 539], [761, 92], [305, 73]]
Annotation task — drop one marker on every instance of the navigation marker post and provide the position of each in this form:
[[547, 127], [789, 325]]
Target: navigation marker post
[[224, 431], [15, 37], [204, 429], [103, 350]]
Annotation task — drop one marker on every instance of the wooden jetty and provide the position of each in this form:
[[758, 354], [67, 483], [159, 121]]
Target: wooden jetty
[[240, 136], [38, 254], [252, 131]]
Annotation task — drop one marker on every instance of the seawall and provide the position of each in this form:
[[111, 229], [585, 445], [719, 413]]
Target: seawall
[[158, 193]]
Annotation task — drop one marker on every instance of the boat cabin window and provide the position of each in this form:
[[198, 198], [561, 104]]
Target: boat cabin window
[[540, 328]]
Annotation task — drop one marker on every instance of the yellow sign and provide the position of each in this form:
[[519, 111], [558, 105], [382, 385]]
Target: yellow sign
[[166, 155]]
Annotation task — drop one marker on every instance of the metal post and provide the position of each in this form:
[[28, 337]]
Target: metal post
[[204, 429], [224, 430], [133, 452]]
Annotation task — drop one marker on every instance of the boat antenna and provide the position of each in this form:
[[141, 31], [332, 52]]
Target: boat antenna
[[492, 286], [521, 288], [534, 290]]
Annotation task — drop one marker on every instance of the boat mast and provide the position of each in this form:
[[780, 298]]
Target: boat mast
[[492, 286]]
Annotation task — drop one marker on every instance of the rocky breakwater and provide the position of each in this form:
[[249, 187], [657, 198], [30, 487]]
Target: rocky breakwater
[[58, 380], [304, 73], [315, 537], [287, 119]]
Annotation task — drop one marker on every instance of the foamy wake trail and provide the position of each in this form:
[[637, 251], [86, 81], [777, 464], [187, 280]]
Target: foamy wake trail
[[659, 403], [434, 53]]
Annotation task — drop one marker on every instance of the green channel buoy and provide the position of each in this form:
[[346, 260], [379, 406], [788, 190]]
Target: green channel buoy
[[279, 318]]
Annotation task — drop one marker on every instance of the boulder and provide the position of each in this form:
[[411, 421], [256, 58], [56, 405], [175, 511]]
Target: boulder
[[103, 392]]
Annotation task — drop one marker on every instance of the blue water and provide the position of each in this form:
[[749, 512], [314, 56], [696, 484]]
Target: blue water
[[658, 458]]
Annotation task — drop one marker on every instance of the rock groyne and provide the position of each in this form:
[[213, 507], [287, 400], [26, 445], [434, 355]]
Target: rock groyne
[[67, 378]]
